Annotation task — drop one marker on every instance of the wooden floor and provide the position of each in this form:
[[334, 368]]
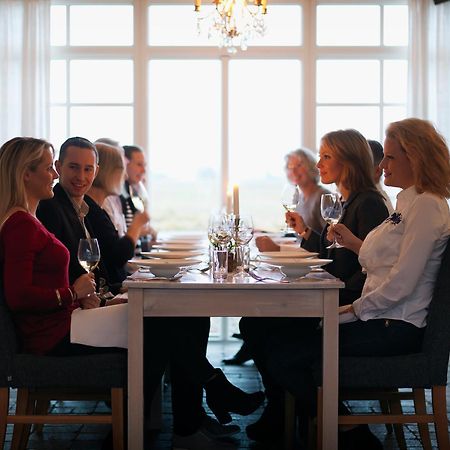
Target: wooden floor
[[75, 437]]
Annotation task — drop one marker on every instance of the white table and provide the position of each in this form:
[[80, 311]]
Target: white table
[[197, 295]]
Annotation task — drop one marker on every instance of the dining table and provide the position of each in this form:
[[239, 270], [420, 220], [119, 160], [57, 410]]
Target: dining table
[[197, 294]]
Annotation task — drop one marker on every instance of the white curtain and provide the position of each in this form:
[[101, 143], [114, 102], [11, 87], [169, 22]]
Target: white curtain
[[429, 63], [24, 68]]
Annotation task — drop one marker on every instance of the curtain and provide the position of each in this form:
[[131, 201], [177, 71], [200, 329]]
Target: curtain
[[24, 68], [429, 63]]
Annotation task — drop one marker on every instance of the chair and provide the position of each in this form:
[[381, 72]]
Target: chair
[[41, 378], [424, 370]]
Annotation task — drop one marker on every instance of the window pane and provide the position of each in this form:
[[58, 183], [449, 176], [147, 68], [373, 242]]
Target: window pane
[[395, 81], [101, 25], [58, 85], [265, 124], [283, 26], [365, 119], [58, 25], [393, 114], [344, 81], [105, 81], [177, 25], [395, 25], [58, 126], [348, 25], [185, 142], [93, 122]]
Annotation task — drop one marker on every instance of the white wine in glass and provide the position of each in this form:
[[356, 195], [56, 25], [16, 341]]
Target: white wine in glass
[[290, 198], [88, 254]]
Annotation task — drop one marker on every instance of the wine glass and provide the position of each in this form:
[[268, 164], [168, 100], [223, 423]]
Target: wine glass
[[242, 229], [88, 254], [219, 230], [290, 198], [331, 210]]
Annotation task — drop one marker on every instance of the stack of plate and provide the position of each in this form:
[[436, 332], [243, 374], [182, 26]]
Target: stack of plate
[[294, 264], [171, 254]]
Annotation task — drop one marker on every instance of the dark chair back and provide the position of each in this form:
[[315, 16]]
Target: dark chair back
[[436, 344]]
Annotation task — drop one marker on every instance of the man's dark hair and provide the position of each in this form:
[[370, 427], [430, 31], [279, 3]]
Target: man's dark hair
[[79, 142], [377, 152], [130, 149]]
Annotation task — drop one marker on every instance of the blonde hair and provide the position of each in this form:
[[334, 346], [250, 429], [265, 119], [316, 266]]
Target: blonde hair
[[16, 157], [110, 160], [427, 152], [352, 150]]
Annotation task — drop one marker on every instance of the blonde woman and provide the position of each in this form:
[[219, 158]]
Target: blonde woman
[[402, 258], [34, 263]]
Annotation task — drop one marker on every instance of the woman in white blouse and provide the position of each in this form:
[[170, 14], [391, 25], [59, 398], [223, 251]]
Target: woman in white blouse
[[401, 257]]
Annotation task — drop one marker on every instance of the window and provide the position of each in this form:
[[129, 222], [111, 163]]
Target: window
[[138, 72]]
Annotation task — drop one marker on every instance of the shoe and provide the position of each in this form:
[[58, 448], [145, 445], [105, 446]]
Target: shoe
[[213, 429], [358, 438], [200, 441], [270, 426], [242, 356], [223, 397]]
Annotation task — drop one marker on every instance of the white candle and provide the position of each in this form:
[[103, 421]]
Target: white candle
[[236, 200], [229, 200]]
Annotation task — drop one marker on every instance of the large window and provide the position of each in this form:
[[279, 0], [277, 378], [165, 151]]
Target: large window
[[136, 71]]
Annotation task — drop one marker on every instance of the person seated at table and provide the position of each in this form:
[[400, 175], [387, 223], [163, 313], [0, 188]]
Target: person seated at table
[[377, 154], [402, 258], [301, 170], [346, 160], [185, 339]]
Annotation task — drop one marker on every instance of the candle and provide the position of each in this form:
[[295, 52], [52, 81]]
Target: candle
[[236, 200], [229, 200], [197, 5]]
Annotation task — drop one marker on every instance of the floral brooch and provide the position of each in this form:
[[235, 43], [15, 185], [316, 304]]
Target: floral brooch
[[395, 218]]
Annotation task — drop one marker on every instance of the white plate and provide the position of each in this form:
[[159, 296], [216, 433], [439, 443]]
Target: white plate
[[165, 262], [304, 262], [180, 247], [287, 254], [163, 254]]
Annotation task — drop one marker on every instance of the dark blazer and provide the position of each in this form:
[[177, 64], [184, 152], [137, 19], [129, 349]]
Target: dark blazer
[[115, 250], [59, 217], [362, 212]]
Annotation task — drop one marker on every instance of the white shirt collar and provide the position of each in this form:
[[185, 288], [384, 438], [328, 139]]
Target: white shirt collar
[[405, 197]]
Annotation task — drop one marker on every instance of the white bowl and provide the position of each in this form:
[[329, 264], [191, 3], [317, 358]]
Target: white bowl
[[165, 267], [296, 268], [287, 254]]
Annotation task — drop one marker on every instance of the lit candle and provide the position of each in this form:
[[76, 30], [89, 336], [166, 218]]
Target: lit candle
[[229, 200], [197, 5], [236, 200]]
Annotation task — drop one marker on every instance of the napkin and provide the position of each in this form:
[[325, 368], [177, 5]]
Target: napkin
[[100, 327]]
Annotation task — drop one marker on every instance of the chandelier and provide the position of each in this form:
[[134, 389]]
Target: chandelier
[[234, 22]]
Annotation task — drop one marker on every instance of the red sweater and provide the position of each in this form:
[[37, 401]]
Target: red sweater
[[35, 264]]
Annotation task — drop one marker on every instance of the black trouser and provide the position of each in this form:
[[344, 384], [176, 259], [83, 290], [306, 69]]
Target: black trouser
[[180, 342], [291, 352]]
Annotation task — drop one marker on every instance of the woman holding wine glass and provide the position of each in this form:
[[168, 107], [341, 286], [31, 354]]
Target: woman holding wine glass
[[346, 160], [303, 192]]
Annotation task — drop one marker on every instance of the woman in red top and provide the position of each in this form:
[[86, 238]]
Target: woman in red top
[[34, 262]]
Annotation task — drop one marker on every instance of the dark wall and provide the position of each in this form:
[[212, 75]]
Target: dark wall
[[436, 2]]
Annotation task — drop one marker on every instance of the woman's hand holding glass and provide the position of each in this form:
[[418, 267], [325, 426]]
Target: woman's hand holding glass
[[296, 222], [344, 237], [84, 287]]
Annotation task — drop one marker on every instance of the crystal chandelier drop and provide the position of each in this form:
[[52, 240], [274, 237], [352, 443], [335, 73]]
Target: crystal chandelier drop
[[234, 22]]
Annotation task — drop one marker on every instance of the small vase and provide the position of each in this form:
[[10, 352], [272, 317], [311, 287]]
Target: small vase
[[231, 261]]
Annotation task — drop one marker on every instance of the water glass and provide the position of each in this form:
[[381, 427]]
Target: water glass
[[220, 264]]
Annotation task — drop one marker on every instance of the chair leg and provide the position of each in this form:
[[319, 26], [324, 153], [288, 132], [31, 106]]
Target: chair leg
[[21, 433], [395, 407], [289, 421], [420, 408], [440, 416], [384, 406], [4, 408], [42, 408], [117, 402]]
